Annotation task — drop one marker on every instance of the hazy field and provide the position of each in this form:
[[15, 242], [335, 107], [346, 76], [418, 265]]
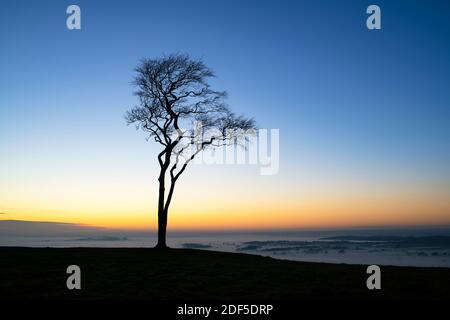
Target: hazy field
[[400, 247]]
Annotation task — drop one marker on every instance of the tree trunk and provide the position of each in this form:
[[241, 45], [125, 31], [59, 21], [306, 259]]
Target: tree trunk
[[162, 227], [162, 214]]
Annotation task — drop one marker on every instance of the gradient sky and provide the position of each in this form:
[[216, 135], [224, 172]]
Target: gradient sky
[[363, 115]]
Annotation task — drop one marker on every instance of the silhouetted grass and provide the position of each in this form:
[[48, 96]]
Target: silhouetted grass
[[188, 274]]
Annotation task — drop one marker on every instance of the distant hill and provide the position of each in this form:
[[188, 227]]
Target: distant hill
[[20, 228]]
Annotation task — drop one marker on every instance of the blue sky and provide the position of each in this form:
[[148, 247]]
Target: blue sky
[[350, 102]]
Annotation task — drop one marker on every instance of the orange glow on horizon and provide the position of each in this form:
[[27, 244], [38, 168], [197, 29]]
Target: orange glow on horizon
[[220, 204], [317, 213]]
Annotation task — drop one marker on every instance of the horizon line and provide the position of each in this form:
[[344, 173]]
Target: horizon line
[[239, 230]]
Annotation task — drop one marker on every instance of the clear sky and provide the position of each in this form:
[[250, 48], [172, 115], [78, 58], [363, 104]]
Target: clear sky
[[363, 115]]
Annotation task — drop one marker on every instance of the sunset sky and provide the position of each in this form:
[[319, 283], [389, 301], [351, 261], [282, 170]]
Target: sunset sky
[[364, 116]]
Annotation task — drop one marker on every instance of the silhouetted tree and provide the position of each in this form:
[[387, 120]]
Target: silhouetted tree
[[178, 108]]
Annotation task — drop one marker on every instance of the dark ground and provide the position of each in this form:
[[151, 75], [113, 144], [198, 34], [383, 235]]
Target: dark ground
[[185, 274]]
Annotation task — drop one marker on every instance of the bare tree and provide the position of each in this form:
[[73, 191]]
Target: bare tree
[[180, 111]]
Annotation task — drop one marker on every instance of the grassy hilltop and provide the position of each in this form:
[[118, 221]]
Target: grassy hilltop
[[185, 274]]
